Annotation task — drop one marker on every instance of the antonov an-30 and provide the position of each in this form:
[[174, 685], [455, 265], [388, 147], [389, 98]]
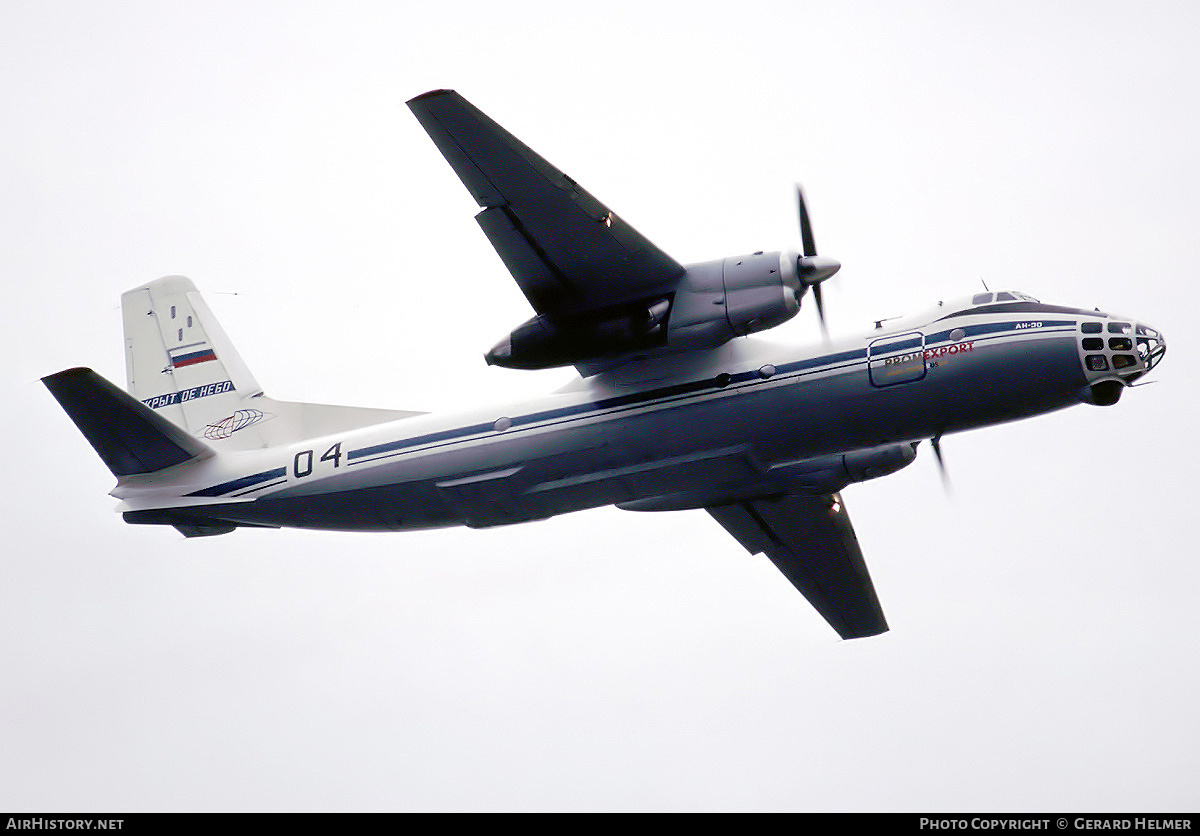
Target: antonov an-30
[[672, 410]]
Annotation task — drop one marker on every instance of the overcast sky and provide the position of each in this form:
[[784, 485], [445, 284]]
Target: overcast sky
[[1044, 634]]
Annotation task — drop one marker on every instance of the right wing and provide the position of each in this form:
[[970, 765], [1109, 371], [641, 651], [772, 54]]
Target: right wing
[[810, 539], [569, 254]]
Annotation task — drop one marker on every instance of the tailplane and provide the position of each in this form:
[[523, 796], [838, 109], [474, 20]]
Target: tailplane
[[131, 438]]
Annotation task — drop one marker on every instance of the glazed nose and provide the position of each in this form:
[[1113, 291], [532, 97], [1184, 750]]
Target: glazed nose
[[1151, 346]]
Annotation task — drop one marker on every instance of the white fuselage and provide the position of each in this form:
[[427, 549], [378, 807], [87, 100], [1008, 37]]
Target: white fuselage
[[744, 423]]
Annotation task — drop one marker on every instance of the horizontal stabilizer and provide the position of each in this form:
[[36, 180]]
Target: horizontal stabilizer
[[129, 436]]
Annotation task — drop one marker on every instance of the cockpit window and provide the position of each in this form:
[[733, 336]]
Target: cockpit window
[[1005, 297], [1091, 327], [1120, 328], [981, 298]]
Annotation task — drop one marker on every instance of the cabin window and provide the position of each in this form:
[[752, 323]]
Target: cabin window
[[1093, 343], [1119, 328], [1091, 327], [1124, 361], [172, 312], [957, 334], [1120, 343]]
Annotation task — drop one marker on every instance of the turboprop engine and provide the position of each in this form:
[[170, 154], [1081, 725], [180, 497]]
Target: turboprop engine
[[719, 300], [709, 304], [713, 302]]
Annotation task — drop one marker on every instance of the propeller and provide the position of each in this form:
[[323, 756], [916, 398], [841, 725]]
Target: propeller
[[812, 268], [936, 444]]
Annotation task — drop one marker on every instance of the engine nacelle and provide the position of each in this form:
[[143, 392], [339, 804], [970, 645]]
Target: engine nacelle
[[713, 302], [719, 300], [830, 474], [545, 341]]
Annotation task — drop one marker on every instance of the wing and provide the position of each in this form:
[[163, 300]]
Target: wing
[[811, 540], [567, 251]]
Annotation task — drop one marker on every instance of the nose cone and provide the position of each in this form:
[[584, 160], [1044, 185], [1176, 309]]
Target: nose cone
[[1151, 345], [1115, 354]]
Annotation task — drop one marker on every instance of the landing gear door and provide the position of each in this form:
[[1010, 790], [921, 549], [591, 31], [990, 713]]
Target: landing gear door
[[899, 358]]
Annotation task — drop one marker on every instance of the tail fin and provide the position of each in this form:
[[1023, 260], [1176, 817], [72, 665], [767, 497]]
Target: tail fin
[[182, 366], [178, 360], [129, 436]]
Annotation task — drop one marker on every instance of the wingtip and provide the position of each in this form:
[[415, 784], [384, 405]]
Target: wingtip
[[76, 371], [432, 94], [865, 632]]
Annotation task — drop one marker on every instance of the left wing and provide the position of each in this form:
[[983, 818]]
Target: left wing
[[568, 252], [810, 539]]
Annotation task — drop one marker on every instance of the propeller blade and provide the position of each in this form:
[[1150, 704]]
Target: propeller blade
[[936, 443], [812, 268], [806, 233], [816, 291]]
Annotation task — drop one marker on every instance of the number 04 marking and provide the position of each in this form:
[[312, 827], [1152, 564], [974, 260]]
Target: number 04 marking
[[302, 464]]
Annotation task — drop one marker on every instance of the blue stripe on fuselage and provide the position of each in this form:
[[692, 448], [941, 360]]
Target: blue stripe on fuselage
[[666, 394], [660, 396]]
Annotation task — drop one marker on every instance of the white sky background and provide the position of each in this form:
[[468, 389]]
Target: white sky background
[[1044, 628]]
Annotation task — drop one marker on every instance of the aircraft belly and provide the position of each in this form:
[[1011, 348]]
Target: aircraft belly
[[588, 465]]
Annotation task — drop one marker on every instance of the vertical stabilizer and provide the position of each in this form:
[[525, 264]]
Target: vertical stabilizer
[[178, 361], [181, 365]]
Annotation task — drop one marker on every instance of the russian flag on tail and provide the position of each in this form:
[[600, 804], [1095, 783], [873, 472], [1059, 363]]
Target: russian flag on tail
[[191, 358]]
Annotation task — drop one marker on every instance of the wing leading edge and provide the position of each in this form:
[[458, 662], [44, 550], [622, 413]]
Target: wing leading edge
[[810, 539], [567, 251]]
